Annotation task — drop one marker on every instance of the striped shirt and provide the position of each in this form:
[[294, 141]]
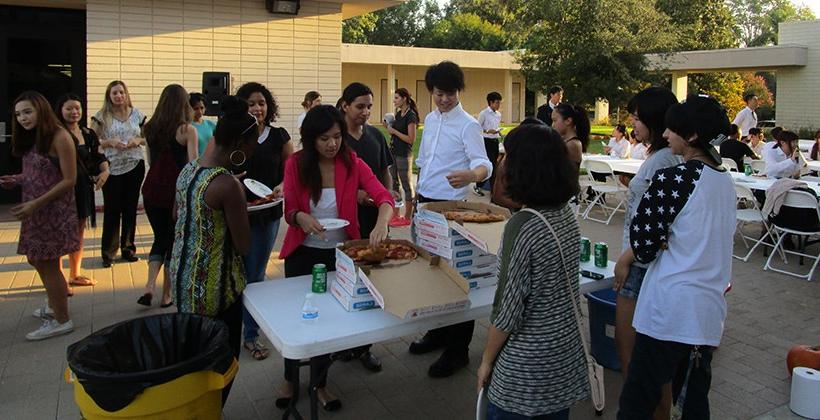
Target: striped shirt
[[541, 368]]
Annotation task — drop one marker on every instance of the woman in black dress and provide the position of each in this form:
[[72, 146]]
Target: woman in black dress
[[92, 172]]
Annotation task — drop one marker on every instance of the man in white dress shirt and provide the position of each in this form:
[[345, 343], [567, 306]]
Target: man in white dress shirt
[[490, 121], [746, 119], [451, 157]]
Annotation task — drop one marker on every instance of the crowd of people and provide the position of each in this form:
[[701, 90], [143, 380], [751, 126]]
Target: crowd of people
[[670, 277]]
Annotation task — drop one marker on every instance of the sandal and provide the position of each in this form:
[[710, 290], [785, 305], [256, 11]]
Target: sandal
[[82, 281], [258, 351]]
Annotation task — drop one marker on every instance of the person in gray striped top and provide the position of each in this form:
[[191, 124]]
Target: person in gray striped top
[[533, 363]]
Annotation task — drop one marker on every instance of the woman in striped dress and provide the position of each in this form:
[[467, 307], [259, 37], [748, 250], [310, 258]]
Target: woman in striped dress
[[212, 231], [534, 361]]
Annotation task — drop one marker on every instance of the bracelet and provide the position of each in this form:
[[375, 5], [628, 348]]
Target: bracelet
[[293, 217]]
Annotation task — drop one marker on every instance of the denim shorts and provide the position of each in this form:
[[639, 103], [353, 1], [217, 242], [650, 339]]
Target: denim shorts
[[632, 285]]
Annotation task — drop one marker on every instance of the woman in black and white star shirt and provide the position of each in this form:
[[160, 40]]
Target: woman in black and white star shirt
[[683, 229]]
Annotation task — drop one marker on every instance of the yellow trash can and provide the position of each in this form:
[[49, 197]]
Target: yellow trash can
[[197, 395]]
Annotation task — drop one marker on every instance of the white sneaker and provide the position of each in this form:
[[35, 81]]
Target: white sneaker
[[43, 312], [51, 328]]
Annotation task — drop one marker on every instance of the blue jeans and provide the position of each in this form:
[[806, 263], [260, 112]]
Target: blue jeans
[[262, 238], [496, 413]]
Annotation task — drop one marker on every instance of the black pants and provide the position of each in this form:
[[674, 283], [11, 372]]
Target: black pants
[[232, 317], [455, 338], [121, 194], [162, 223], [656, 363], [491, 146], [300, 263]]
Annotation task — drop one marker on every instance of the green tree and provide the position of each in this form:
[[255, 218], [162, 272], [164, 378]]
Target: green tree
[[757, 20], [397, 25], [357, 30], [464, 31], [592, 48]]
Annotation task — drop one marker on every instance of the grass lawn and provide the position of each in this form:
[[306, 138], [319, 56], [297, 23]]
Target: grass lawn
[[595, 146]]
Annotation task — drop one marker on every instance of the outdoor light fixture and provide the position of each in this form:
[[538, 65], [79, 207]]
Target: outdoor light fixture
[[285, 7]]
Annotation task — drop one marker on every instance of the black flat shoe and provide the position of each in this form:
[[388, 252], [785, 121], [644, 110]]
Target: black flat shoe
[[130, 258], [167, 305], [332, 405], [425, 345], [145, 300], [106, 262], [371, 362], [283, 402], [446, 366]]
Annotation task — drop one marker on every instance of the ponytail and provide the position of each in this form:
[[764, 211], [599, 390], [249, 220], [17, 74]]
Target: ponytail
[[404, 93], [580, 119]]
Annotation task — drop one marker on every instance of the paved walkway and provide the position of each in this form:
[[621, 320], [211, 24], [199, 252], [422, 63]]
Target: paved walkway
[[768, 313]]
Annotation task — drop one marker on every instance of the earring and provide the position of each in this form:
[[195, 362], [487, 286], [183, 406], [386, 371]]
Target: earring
[[242, 156]]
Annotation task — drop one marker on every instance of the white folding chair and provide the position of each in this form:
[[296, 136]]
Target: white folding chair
[[611, 186], [729, 164], [810, 178], [798, 200], [746, 216], [758, 166]]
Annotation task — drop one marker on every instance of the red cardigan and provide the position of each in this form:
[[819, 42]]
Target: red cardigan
[[347, 184]]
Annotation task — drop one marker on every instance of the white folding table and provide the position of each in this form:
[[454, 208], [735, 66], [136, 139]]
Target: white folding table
[[814, 165], [762, 183], [627, 166], [276, 306]]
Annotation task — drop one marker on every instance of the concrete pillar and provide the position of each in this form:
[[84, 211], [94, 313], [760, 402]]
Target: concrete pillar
[[601, 111], [507, 95], [679, 81], [391, 88]]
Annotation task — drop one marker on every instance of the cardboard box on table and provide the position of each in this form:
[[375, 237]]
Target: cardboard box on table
[[410, 289], [471, 248], [358, 302]]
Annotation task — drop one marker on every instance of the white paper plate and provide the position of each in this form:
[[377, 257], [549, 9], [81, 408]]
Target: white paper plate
[[333, 224], [259, 189], [481, 404], [265, 206]]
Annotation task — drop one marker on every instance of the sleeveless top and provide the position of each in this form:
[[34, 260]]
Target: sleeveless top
[[207, 274], [160, 181]]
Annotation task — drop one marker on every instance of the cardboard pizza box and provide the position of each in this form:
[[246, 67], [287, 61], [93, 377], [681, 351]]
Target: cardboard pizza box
[[411, 289], [352, 303], [486, 236], [482, 282]]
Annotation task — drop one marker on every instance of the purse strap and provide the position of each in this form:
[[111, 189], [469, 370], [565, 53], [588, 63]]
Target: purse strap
[[576, 311]]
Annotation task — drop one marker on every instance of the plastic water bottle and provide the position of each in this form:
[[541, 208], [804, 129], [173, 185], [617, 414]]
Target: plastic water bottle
[[310, 312]]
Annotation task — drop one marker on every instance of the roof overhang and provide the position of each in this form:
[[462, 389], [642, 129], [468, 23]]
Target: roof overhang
[[730, 59], [415, 56], [350, 8]]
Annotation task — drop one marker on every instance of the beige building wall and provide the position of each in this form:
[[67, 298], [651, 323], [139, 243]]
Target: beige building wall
[[150, 44], [798, 89], [479, 83]]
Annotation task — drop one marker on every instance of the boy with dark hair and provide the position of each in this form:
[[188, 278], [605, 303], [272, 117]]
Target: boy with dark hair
[[746, 119], [451, 157], [490, 121], [554, 96]]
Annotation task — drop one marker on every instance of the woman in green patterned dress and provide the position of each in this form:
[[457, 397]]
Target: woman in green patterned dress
[[212, 231]]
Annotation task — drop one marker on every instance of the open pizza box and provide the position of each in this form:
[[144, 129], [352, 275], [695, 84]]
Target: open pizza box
[[415, 288], [486, 236]]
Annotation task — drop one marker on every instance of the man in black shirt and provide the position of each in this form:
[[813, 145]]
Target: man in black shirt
[[554, 95], [735, 149], [371, 146]]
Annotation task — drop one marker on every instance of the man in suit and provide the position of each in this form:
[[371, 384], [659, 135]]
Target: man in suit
[[554, 96]]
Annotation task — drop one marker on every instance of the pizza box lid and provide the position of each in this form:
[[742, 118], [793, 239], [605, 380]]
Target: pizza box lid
[[422, 287], [486, 236]]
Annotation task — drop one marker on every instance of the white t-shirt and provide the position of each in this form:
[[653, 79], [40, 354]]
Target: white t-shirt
[[619, 149], [745, 120], [638, 151], [690, 207]]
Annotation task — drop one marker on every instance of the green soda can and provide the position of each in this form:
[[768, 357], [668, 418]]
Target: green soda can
[[747, 169], [586, 249], [601, 254], [319, 283]]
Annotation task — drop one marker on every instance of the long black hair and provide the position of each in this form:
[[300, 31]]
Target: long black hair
[[650, 106], [404, 93], [318, 121], [580, 118]]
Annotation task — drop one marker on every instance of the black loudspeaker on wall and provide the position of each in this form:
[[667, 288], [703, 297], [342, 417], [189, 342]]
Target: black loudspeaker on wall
[[215, 86]]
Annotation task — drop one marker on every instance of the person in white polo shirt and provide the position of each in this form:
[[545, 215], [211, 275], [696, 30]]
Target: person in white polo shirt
[[490, 121], [451, 157], [746, 118]]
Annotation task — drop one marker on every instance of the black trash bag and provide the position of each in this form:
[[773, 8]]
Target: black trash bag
[[114, 365]]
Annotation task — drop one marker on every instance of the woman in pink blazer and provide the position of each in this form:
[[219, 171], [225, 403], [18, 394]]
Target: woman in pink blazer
[[323, 181]]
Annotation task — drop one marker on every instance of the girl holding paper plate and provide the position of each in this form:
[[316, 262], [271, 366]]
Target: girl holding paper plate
[[266, 165], [321, 185]]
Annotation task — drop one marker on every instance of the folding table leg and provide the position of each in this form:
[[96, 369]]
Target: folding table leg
[[291, 410]]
